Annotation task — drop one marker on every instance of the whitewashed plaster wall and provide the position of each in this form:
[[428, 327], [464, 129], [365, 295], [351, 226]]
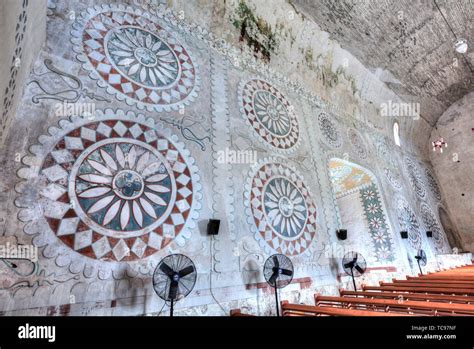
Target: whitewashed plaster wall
[[23, 31], [454, 169], [109, 272]]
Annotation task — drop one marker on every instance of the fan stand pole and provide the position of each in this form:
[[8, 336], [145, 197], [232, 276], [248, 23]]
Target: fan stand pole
[[171, 308], [276, 299], [353, 280], [419, 267]]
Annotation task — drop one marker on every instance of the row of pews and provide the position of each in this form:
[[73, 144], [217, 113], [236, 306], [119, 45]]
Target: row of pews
[[444, 293]]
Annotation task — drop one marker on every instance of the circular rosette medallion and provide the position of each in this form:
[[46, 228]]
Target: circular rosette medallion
[[408, 222], [117, 188], [134, 57], [414, 177], [357, 143], [431, 223], [433, 185], [280, 208], [329, 131], [270, 114]]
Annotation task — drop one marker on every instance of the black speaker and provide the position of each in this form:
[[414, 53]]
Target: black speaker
[[404, 234], [341, 234], [429, 234], [213, 226]]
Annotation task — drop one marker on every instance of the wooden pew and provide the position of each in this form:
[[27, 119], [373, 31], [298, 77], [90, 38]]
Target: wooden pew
[[444, 283], [391, 305], [238, 312], [436, 290], [441, 280], [409, 296], [441, 277], [289, 309], [423, 285]]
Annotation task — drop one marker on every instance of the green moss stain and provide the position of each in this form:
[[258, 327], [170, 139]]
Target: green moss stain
[[254, 31]]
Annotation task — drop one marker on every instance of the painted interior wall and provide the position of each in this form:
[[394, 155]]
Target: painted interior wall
[[23, 31], [90, 120], [454, 167]]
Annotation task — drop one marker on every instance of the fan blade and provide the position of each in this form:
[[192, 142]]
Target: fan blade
[[349, 265], [173, 290], [287, 272], [166, 269], [273, 278], [275, 261], [186, 271], [355, 258], [359, 269]]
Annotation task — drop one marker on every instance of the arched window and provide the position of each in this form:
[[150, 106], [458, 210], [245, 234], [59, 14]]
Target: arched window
[[396, 133]]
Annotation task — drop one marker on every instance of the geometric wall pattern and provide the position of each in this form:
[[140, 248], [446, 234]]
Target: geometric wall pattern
[[280, 208], [269, 114], [106, 196], [408, 222], [116, 188], [134, 57]]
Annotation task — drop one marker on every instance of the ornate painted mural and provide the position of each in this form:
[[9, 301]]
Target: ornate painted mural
[[280, 208], [431, 223], [357, 143], [329, 130], [269, 114], [115, 189], [408, 222], [432, 184], [134, 57], [346, 178], [414, 176], [186, 128], [378, 226]]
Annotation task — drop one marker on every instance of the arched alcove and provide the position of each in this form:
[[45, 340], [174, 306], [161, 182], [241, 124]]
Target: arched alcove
[[361, 210]]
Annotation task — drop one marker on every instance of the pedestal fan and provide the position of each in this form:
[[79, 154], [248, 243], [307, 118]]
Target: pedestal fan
[[278, 271], [174, 278], [354, 265], [421, 259]]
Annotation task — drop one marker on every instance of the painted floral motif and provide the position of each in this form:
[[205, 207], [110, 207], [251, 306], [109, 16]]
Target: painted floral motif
[[272, 113], [431, 223], [329, 130], [393, 178], [285, 207], [116, 188], [414, 177], [346, 178], [280, 208], [408, 222], [269, 114], [124, 186], [142, 56], [382, 149], [134, 57], [433, 184], [357, 143], [378, 227]]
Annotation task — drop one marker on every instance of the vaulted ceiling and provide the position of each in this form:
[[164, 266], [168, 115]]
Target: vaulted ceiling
[[410, 41]]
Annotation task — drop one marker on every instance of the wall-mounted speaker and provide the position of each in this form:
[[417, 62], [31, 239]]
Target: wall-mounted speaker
[[404, 234], [429, 234], [213, 226], [341, 234]]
